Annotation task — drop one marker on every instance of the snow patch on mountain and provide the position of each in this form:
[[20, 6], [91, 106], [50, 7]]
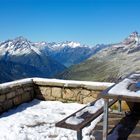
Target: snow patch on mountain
[[67, 44], [67, 53], [132, 38], [71, 44], [18, 46]]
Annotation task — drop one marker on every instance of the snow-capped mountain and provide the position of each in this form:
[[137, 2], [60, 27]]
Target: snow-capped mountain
[[132, 38], [46, 58], [59, 46], [17, 47], [109, 64], [69, 53], [66, 53], [128, 45], [21, 51]]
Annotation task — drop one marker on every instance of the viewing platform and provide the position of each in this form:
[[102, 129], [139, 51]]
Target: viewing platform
[[119, 123]]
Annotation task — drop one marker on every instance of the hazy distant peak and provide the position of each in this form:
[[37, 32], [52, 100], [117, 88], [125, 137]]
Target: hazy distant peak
[[40, 44], [135, 33], [61, 45], [71, 44]]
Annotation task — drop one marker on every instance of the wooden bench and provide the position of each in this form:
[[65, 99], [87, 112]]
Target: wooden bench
[[88, 118]]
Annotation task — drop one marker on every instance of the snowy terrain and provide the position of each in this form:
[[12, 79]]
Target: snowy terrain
[[122, 87], [91, 109], [36, 121], [69, 51]]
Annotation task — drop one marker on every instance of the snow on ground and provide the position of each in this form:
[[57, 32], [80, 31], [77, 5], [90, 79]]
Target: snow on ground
[[73, 82], [36, 121], [56, 81]]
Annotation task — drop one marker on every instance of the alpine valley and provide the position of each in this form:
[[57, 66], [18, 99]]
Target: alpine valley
[[21, 58], [109, 64]]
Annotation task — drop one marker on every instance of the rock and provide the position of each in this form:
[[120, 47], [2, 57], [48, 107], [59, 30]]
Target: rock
[[2, 98], [85, 92], [10, 95], [49, 98], [45, 91], [17, 100], [88, 99], [20, 90], [69, 94], [56, 92], [26, 97], [94, 94], [8, 104], [28, 88]]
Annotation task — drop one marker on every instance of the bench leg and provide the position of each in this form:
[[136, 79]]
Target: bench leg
[[79, 135], [105, 120]]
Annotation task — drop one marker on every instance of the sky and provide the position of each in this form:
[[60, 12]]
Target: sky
[[86, 21]]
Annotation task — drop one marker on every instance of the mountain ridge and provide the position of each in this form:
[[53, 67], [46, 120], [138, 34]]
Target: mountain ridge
[[66, 53], [108, 64], [47, 59]]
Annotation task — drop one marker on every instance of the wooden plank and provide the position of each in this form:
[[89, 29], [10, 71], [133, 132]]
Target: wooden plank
[[86, 116]]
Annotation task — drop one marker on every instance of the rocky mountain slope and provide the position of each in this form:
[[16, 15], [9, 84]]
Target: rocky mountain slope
[[10, 71], [18, 53], [110, 63], [69, 53], [47, 59]]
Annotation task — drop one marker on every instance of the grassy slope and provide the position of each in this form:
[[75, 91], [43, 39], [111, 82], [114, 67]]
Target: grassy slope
[[105, 66]]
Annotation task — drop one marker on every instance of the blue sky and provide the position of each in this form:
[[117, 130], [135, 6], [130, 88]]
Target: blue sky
[[87, 21]]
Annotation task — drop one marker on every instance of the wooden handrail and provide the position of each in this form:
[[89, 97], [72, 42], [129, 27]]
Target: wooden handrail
[[88, 118]]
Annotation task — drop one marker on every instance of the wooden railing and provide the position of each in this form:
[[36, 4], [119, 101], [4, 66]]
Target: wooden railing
[[88, 118]]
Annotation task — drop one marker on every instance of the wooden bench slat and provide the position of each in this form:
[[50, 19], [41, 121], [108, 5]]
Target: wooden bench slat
[[105, 95], [86, 116]]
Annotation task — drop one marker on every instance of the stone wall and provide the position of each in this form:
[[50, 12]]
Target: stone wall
[[15, 93], [68, 91], [18, 92]]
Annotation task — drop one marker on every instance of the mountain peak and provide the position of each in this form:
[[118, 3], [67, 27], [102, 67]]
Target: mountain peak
[[135, 33], [132, 38], [71, 44]]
